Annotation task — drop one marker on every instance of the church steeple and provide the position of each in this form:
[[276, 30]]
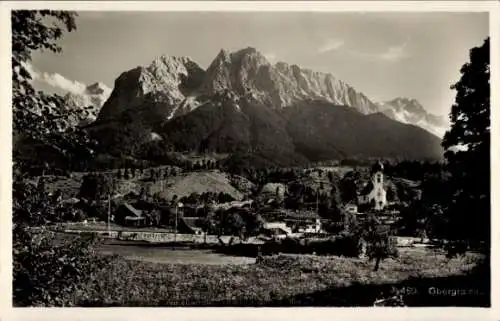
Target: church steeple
[[378, 193], [377, 167]]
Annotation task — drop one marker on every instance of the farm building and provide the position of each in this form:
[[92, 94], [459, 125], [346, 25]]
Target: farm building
[[126, 214]]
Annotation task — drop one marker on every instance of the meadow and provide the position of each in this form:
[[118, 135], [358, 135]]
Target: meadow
[[424, 277]]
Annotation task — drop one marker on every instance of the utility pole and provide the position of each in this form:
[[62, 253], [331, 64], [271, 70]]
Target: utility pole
[[109, 213], [176, 216], [316, 201], [206, 227], [175, 229]]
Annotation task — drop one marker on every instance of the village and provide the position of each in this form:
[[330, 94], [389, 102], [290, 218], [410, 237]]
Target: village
[[274, 211]]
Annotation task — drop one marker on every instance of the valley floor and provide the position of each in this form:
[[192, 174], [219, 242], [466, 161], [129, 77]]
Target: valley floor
[[427, 278]]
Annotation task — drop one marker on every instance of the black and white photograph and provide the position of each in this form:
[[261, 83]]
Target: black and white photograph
[[204, 158]]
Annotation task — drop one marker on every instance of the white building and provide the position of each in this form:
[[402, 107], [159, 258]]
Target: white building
[[374, 192], [278, 226], [313, 228], [351, 208]]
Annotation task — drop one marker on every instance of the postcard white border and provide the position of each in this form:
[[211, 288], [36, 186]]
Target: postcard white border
[[289, 314]]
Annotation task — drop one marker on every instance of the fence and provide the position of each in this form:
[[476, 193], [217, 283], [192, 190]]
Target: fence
[[155, 237]]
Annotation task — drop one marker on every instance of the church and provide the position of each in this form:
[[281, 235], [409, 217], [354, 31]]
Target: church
[[374, 193]]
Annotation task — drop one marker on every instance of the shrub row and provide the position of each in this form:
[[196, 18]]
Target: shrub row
[[343, 245]]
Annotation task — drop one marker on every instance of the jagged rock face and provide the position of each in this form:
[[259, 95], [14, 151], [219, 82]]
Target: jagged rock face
[[281, 85], [173, 86], [410, 111], [166, 83]]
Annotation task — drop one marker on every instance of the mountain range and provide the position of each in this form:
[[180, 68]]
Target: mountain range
[[410, 111], [244, 104]]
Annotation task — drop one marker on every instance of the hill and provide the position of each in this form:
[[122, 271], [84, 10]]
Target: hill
[[197, 182]]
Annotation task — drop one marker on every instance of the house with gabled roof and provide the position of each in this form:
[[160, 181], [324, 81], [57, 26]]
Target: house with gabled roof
[[126, 214]]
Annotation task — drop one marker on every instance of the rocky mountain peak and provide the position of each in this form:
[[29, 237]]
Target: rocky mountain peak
[[410, 111], [248, 53], [235, 71], [166, 81], [409, 104], [281, 85], [168, 62], [222, 55]]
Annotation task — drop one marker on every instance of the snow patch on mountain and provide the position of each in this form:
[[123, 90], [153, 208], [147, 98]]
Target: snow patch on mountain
[[410, 111]]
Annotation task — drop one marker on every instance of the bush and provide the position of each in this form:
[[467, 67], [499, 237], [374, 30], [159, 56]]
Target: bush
[[380, 247], [343, 245], [50, 271], [48, 268]]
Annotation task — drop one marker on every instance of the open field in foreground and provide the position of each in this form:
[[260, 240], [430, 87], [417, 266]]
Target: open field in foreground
[[285, 280], [171, 255]]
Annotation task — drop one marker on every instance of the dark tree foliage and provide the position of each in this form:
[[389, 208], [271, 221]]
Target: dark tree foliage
[[380, 243], [412, 170], [39, 119], [240, 223], [95, 187], [46, 271], [349, 187], [469, 164]]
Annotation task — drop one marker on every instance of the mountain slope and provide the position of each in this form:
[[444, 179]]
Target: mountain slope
[[312, 130], [322, 131], [229, 124]]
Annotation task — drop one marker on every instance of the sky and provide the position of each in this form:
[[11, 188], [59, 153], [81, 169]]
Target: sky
[[384, 55]]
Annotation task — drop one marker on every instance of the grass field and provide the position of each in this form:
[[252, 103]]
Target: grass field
[[184, 184], [172, 255], [199, 182], [285, 280]]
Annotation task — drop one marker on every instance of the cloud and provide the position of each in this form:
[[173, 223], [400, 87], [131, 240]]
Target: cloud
[[395, 53], [271, 56], [331, 45], [392, 54], [56, 80]]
